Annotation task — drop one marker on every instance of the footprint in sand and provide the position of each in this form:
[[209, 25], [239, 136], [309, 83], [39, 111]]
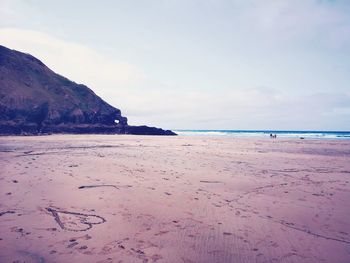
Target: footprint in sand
[[73, 221]]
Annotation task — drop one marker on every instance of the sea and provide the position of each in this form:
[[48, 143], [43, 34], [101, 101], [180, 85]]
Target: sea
[[341, 135]]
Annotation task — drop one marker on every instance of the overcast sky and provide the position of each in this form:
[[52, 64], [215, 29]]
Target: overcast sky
[[205, 64]]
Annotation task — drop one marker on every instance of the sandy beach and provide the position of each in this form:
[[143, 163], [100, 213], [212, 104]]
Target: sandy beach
[[119, 198]]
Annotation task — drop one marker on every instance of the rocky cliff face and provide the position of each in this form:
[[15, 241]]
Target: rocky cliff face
[[35, 99]]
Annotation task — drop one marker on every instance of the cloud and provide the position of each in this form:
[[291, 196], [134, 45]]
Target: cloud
[[325, 21], [259, 66], [147, 101], [7, 11]]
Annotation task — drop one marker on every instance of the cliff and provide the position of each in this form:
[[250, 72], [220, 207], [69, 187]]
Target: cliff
[[34, 99]]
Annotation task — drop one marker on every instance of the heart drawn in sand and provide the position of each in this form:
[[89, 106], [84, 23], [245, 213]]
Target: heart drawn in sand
[[73, 221]]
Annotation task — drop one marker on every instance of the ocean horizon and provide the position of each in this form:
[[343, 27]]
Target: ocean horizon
[[266, 133]]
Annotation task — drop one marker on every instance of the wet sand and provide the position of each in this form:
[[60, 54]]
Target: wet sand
[[105, 198]]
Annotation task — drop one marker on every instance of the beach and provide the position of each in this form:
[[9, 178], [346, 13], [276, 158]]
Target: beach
[[124, 198]]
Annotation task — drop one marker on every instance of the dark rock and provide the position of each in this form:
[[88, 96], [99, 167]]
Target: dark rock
[[36, 100], [145, 130]]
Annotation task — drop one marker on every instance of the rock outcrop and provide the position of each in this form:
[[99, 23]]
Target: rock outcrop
[[34, 100]]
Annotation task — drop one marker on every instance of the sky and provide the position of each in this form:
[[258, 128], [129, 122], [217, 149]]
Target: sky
[[197, 64]]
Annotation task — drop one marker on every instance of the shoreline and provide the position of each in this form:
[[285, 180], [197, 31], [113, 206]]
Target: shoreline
[[62, 136], [265, 133]]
